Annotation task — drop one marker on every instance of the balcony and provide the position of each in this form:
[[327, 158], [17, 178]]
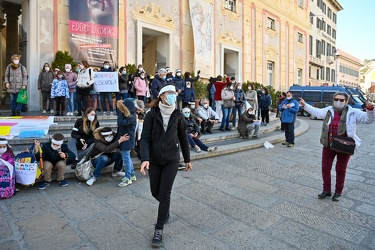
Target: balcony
[[316, 61]]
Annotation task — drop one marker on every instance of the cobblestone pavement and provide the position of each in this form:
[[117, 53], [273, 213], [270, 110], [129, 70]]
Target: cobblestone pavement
[[258, 199]]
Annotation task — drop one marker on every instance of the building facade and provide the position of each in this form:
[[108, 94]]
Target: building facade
[[349, 67], [323, 64], [368, 86], [262, 40]]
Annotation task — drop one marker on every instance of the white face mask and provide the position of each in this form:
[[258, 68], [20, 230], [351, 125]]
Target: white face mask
[[250, 112], [67, 70], [55, 147], [188, 86], [91, 117], [205, 106], [178, 74], [3, 150], [46, 68], [339, 104], [106, 66], [109, 138], [82, 66], [60, 77], [140, 69], [288, 97], [16, 61], [239, 87]]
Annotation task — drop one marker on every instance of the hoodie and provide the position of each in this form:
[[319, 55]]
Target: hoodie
[[126, 122]]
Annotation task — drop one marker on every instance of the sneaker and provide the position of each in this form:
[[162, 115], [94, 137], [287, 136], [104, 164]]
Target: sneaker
[[125, 182], [232, 128], [111, 113], [157, 240], [44, 112], [211, 149], [181, 167], [74, 164], [52, 111], [133, 178], [104, 112], [43, 185], [290, 145], [255, 138], [91, 181], [118, 174], [266, 124], [222, 129], [285, 143], [63, 183], [197, 149]]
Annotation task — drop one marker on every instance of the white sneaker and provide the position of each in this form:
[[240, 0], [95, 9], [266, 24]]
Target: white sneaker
[[111, 114], [211, 149], [43, 112], [118, 174], [105, 113], [125, 182], [197, 149], [52, 111], [91, 181]]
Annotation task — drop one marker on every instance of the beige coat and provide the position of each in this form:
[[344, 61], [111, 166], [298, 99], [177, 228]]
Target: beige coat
[[16, 78]]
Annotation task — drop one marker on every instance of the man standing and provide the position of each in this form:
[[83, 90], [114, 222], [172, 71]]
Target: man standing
[[159, 82], [219, 86], [289, 108], [106, 95]]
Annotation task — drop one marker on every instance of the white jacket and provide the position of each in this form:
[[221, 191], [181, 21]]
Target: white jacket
[[354, 117], [206, 114], [85, 78]]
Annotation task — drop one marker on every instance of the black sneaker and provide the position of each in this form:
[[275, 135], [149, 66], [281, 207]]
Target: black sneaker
[[157, 240], [336, 197], [74, 164]]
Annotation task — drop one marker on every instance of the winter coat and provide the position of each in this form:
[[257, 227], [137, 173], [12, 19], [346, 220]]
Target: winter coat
[[240, 97], [101, 145], [227, 94], [156, 85], [289, 114], [126, 122], [45, 80], [353, 118], [191, 126], [207, 114], [159, 146], [17, 78], [102, 69], [78, 132], [123, 82], [71, 78], [251, 97], [179, 83], [188, 95], [7, 156], [59, 89], [85, 81], [219, 86], [243, 121], [53, 156], [265, 102], [140, 86]]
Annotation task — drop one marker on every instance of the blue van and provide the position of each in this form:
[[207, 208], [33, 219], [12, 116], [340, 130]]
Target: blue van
[[322, 96]]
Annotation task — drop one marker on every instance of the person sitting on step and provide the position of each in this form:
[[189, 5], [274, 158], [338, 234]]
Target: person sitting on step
[[247, 123]]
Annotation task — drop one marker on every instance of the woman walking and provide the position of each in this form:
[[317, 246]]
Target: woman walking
[[162, 135], [339, 119]]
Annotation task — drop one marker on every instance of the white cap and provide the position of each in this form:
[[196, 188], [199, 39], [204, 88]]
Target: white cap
[[167, 88]]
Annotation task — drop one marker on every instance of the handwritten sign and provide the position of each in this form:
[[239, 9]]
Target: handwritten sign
[[25, 173], [4, 130], [106, 82]]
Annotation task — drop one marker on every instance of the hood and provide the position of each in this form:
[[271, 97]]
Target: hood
[[126, 107], [98, 136]]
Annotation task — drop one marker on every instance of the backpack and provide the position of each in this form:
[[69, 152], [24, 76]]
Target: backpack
[[27, 170], [7, 179], [84, 86]]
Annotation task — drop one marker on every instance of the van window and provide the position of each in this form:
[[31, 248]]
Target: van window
[[296, 94], [356, 98], [328, 96], [312, 96]]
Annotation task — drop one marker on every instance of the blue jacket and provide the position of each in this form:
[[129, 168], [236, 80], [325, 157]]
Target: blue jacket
[[240, 97], [126, 122], [265, 101], [156, 85], [188, 95], [179, 83], [289, 115]]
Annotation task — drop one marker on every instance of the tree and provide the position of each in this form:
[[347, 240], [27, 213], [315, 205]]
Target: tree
[[62, 58]]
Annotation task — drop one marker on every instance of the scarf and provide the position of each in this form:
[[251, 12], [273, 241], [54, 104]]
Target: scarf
[[14, 66], [328, 119], [166, 112]]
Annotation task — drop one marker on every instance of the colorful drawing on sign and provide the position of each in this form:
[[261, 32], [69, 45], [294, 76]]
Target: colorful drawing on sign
[[12, 126]]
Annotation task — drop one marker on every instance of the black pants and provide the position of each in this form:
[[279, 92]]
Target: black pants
[[161, 182], [85, 99], [206, 126], [60, 104], [265, 115], [46, 96], [289, 132]]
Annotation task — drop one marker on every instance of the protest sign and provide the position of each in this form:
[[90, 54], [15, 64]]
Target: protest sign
[[106, 82]]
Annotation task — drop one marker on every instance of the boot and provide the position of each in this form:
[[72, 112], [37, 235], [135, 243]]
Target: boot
[[18, 113], [13, 113]]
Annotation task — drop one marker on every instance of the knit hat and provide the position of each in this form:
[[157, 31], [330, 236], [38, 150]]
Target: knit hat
[[106, 131], [139, 104], [68, 66], [58, 139], [167, 88]]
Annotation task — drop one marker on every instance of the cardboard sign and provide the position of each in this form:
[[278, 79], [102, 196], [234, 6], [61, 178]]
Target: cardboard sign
[[106, 82], [4, 130]]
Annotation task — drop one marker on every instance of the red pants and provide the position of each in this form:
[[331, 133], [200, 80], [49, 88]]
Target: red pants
[[341, 164]]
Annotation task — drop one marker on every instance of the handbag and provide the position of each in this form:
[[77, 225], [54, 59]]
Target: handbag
[[228, 103], [342, 144], [85, 168], [7, 180], [22, 96]]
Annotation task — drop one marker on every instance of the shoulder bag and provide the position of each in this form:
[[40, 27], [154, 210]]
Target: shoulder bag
[[342, 144]]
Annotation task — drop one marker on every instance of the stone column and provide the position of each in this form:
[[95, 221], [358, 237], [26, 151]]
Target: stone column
[[12, 11], [2, 69]]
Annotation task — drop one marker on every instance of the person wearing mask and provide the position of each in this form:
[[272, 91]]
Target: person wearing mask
[[158, 82], [264, 105], [226, 95], [95, 96], [188, 95], [71, 79], [85, 83], [179, 82], [239, 102], [247, 123], [289, 109], [106, 95], [82, 135], [140, 85], [339, 119], [169, 78], [251, 97], [208, 115], [59, 93], [234, 83], [163, 134], [45, 79], [103, 153], [123, 84], [188, 78], [211, 92], [259, 95], [15, 80], [219, 86]]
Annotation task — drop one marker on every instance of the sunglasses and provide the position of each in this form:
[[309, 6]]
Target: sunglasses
[[339, 99]]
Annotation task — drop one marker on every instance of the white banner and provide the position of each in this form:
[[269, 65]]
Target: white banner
[[106, 82], [26, 173], [201, 13]]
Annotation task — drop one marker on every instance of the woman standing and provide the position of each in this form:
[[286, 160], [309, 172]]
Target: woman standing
[[15, 79], [163, 133], [264, 105], [239, 102], [85, 82], [140, 85], [71, 78], [339, 119], [251, 97], [226, 95], [45, 80]]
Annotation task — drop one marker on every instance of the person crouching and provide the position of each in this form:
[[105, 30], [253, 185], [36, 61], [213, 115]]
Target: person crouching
[[247, 123]]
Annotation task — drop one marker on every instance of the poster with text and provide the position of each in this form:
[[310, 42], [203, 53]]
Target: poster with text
[[93, 31], [106, 82]]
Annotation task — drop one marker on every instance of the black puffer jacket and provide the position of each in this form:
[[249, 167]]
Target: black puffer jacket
[[78, 132], [191, 126], [102, 146], [159, 146]]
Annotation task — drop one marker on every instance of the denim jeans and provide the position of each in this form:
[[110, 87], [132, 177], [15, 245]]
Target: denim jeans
[[70, 101], [250, 127], [105, 160], [103, 97], [13, 100], [213, 103], [122, 96], [129, 168], [235, 110], [196, 141], [226, 117]]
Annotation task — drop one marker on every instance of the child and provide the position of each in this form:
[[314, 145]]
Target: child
[[55, 156], [188, 95], [6, 152], [59, 92]]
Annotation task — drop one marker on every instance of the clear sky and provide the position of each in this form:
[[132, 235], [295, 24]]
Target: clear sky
[[355, 28]]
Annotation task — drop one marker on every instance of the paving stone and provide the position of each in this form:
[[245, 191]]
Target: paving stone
[[210, 196], [47, 231], [367, 209], [5, 230], [321, 222], [361, 196], [254, 185], [241, 236], [354, 217], [9, 245], [303, 237]]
